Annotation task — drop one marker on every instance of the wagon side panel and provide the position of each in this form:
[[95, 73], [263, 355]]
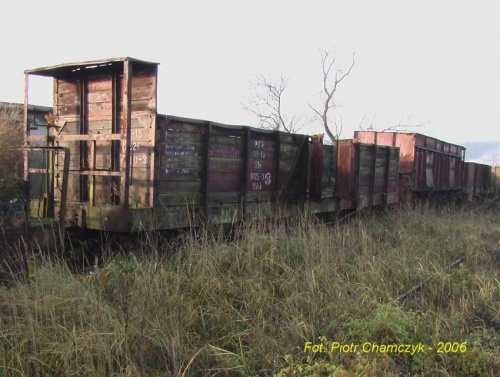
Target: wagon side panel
[[345, 182]]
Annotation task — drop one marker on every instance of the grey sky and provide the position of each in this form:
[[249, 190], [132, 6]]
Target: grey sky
[[433, 62]]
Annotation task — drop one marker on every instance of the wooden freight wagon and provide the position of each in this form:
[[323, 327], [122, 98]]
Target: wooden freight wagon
[[427, 165], [495, 180], [476, 179], [131, 168], [367, 175]]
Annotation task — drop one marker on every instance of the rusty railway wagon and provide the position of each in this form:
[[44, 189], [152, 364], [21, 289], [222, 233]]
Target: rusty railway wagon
[[495, 180], [111, 162], [477, 180], [367, 175], [427, 166]]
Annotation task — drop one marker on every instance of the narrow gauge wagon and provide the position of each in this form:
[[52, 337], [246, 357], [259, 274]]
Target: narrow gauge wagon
[[476, 179], [367, 175], [427, 165], [495, 179], [129, 168]]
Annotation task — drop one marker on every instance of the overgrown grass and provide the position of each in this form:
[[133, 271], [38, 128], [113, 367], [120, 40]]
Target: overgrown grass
[[248, 306]]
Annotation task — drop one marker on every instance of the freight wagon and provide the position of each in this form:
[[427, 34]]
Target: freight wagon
[[428, 166], [367, 175], [113, 163], [495, 180], [476, 180]]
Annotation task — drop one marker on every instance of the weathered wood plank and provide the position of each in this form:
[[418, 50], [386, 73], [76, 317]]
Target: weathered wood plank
[[181, 136], [179, 174], [168, 187], [180, 126], [63, 86], [224, 181], [224, 197], [226, 165], [180, 199]]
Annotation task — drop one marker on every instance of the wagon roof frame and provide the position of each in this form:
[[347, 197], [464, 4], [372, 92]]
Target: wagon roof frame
[[60, 70]]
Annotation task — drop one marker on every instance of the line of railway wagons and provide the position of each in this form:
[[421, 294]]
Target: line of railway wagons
[[111, 162]]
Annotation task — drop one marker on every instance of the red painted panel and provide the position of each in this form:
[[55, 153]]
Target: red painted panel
[[345, 169]]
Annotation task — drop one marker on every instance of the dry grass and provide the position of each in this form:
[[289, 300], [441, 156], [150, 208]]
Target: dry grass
[[247, 306]]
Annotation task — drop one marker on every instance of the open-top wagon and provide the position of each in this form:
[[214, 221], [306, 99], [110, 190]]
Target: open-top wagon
[[131, 168]]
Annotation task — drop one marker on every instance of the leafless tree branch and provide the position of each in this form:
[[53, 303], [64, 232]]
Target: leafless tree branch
[[329, 90], [265, 103], [401, 126]]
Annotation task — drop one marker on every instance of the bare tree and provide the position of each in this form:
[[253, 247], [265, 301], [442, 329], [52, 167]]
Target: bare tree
[[11, 139], [330, 85], [265, 103]]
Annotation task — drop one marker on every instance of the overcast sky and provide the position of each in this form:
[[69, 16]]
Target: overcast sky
[[435, 63]]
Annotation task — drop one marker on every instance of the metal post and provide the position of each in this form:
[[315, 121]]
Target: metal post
[[26, 128]]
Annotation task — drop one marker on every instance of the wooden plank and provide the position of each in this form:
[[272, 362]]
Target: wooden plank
[[100, 126], [87, 137], [99, 84], [98, 110], [181, 136], [141, 160], [224, 181], [141, 174], [179, 174], [98, 96], [69, 98], [262, 145], [138, 105], [180, 150], [224, 197], [226, 165], [168, 187], [64, 86], [140, 93], [221, 130], [259, 196], [68, 110], [188, 162], [225, 152], [180, 199], [105, 189], [139, 79], [224, 140], [166, 125], [70, 128]]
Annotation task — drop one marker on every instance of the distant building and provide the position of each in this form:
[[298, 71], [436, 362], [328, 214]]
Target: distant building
[[37, 123], [36, 116]]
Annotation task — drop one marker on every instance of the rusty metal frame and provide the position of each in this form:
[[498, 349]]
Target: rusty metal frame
[[26, 140], [244, 182], [206, 167], [50, 170]]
